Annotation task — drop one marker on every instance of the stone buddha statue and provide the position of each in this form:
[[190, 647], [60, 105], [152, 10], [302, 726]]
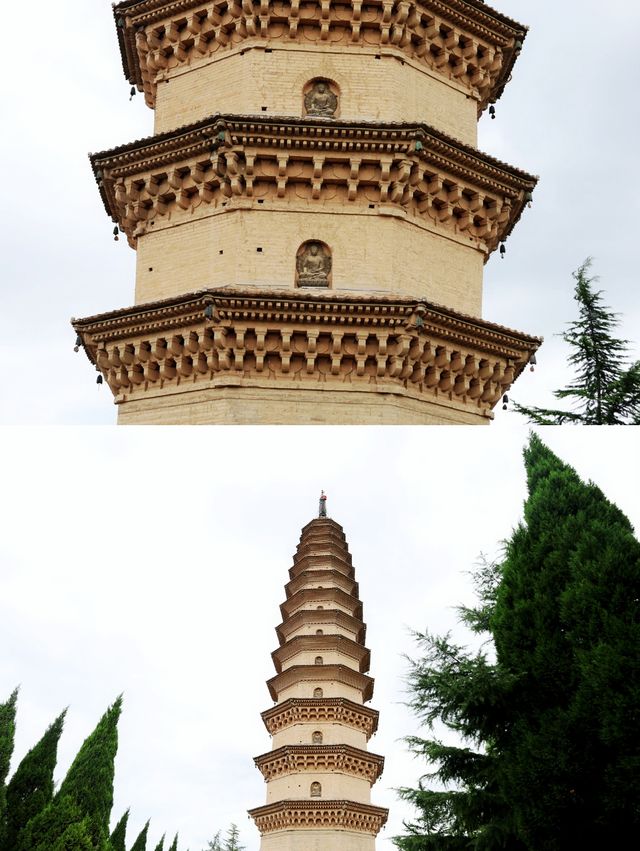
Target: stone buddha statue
[[313, 266], [320, 100]]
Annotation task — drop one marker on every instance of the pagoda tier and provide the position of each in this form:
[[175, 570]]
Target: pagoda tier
[[335, 710], [234, 200], [464, 43], [202, 357], [319, 772]]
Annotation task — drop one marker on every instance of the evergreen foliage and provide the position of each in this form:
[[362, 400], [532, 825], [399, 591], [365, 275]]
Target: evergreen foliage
[[550, 757], [606, 389], [7, 736], [232, 840], [77, 837], [31, 787], [58, 822], [215, 844], [141, 842], [77, 817], [89, 781], [119, 836], [174, 844]]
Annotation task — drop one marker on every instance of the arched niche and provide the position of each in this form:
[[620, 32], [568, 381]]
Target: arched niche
[[313, 264], [316, 789], [321, 98]]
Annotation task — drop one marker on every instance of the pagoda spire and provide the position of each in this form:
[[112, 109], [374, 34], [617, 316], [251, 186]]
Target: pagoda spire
[[319, 772], [322, 507]]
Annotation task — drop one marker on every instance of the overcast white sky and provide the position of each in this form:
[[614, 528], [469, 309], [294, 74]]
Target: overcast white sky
[[153, 561], [570, 115]]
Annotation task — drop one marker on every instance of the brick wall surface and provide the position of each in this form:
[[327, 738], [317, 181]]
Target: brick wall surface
[[370, 253], [253, 82]]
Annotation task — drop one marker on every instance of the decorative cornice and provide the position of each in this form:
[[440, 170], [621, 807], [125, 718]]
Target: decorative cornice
[[461, 40], [308, 597], [318, 674], [327, 576], [336, 617], [319, 815], [332, 710], [313, 562], [210, 166], [331, 551], [338, 643], [344, 759], [405, 344]]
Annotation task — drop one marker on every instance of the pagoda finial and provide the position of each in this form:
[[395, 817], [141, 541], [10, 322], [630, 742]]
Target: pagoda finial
[[322, 508]]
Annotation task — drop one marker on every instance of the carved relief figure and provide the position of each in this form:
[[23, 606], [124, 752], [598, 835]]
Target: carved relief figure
[[316, 738], [316, 790], [313, 265], [320, 100]]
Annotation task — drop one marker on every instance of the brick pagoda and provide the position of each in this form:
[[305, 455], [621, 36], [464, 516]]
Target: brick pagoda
[[319, 772]]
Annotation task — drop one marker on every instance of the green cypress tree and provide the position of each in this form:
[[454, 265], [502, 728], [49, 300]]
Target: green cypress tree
[[31, 787], [160, 845], [606, 390], [141, 842], [7, 736], [85, 795], [89, 780], [174, 844], [555, 756], [567, 618], [118, 837]]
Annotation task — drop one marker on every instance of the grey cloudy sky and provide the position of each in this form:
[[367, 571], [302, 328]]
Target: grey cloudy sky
[[153, 561], [570, 115]]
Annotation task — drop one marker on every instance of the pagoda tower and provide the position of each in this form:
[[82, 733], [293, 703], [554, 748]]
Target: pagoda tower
[[318, 772], [311, 216]]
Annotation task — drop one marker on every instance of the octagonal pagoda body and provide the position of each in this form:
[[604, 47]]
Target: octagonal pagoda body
[[288, 134], [319, 772]]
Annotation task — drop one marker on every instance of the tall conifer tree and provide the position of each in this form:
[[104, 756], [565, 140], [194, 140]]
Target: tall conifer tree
[[31, 787], [7, 736], [85, 796], [119, 835], [606, 389], [89, 781], [160, 845], [553, 760], [174, 844], [232, 841], [141, 842]]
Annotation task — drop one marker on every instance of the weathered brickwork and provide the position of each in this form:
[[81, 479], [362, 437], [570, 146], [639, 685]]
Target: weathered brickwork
[[374, 86], [256, 242]]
